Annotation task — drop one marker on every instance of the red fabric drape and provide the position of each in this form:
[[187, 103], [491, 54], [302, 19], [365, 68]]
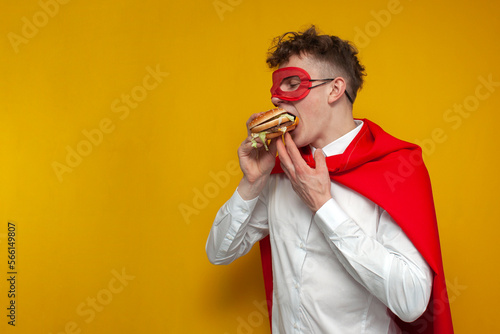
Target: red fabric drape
[[391, 173]]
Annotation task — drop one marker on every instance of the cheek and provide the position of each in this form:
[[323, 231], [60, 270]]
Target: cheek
[[305, 110]]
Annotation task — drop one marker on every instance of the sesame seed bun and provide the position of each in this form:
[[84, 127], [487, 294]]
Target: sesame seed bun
[[273, 121]]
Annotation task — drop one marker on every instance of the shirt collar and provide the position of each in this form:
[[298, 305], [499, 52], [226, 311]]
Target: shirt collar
[[339, 145]]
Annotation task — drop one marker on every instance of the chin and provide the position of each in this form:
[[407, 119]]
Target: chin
[[300, 142]]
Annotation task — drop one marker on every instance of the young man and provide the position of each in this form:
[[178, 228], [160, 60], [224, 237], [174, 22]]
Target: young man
[[353, 241]]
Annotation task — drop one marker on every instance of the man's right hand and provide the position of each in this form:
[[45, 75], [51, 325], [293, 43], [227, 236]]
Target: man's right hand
[[255, 163]]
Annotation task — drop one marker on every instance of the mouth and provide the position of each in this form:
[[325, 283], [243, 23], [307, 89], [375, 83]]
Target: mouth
[[290, 112]]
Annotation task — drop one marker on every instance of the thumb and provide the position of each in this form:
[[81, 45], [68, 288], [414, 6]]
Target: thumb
[[272, 146], [320, 159]]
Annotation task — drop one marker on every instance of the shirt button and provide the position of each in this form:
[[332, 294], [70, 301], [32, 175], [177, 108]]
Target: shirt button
[[230, 237], [302, 245], [244, 210], [295, 326]]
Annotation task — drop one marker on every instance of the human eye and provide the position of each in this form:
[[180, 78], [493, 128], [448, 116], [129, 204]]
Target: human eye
[[290, 83]]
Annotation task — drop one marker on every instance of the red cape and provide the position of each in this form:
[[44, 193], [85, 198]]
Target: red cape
[[391, 173]]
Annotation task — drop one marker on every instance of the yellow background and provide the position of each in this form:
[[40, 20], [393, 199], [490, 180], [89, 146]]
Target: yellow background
[[120, 208]]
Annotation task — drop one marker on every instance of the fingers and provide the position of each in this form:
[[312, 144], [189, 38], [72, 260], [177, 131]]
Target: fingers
[[249, 147], [273, 146], [256, 148], [294, 154], [320, 159], [290, 157], [286, 162], [292, 160], [247, 143], [254, 116]]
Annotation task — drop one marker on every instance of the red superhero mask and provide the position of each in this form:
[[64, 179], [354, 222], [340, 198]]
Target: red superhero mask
[[294, 83]]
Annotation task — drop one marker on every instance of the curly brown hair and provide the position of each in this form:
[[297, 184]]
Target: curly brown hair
[[339, 54]]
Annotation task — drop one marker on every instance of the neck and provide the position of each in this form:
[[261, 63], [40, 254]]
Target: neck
[[338, 125]]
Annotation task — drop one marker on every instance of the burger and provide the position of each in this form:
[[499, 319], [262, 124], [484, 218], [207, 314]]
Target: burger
[[271, 124]]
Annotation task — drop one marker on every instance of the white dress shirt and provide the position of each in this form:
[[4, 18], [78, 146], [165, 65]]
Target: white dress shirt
[[339, 270]]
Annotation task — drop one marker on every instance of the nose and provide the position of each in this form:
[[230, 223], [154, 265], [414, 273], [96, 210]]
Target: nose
[[276, 101]]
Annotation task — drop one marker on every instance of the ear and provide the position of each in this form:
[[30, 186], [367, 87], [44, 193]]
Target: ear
[[337, 86]]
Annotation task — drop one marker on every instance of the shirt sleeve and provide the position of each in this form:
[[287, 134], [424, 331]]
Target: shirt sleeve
[[388, 266], [238, 225]]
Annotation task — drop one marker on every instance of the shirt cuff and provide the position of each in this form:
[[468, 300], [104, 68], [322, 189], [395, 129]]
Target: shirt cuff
[[239, 208], [331, 215]]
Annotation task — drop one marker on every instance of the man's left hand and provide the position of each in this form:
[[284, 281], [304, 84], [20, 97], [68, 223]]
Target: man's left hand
[[312, 185]]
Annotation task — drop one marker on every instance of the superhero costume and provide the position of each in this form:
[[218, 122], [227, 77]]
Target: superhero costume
[[391, 173]]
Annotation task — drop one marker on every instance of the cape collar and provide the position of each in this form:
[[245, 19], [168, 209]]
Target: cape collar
[[361, 150]]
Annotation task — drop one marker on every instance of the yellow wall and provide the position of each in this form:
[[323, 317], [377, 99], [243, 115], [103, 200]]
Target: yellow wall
[[102, 245]]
